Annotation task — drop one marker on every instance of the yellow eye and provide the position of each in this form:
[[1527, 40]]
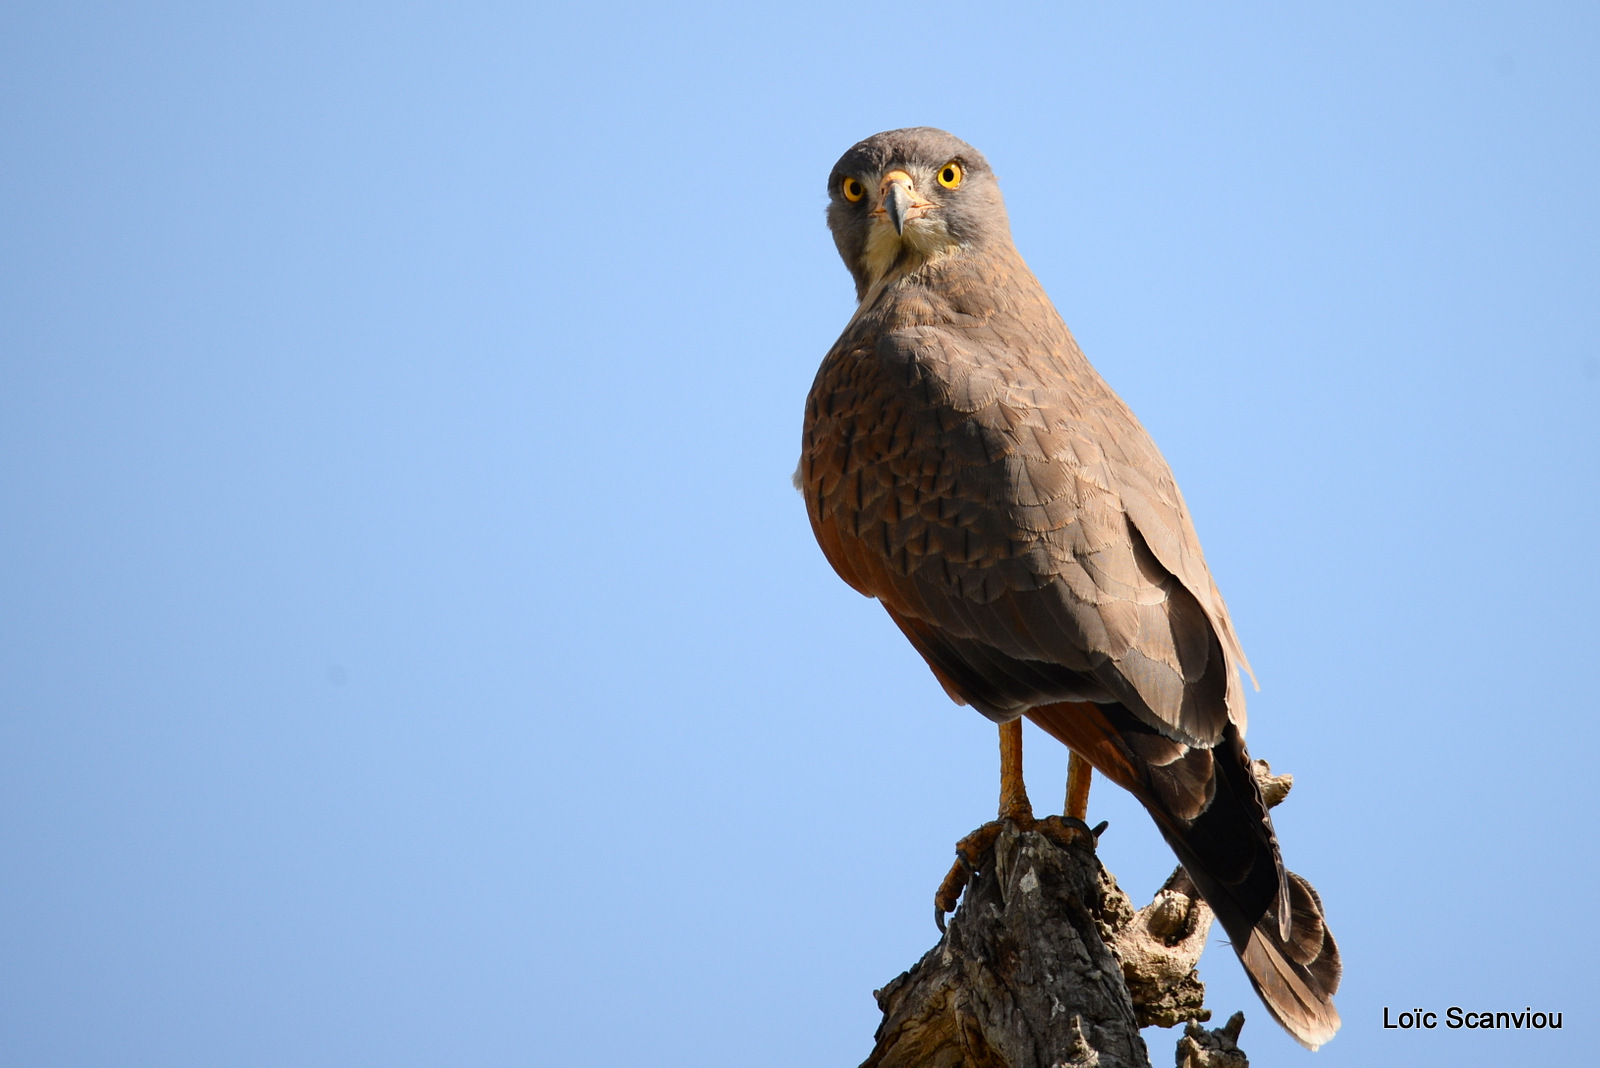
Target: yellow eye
[[950, 175], [853, 190]]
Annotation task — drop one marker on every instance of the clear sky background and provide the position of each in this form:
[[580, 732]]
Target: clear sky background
[[412, 651]]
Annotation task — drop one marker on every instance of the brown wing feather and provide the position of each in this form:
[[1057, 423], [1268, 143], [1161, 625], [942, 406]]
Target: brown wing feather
[[958, 471]]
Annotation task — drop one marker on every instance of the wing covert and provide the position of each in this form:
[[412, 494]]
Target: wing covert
[[975, 494]]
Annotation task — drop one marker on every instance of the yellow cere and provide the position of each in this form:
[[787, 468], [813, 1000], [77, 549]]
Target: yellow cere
[[950, 175]]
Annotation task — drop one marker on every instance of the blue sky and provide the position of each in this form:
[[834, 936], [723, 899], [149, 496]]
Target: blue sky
[[412, 651]]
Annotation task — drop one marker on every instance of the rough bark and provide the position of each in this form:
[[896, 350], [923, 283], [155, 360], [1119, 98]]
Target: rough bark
[[1219, 1048], [1158, 948], [1022, 976], [1046, 964]]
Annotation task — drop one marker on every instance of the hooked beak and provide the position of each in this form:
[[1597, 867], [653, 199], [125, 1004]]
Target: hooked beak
[[898, 200]]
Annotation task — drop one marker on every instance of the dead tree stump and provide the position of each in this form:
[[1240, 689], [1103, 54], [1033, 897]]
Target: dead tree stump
[[1022, 976], [1046, 964]]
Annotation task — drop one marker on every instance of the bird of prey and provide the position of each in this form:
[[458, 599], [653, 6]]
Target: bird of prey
[[966, 466]]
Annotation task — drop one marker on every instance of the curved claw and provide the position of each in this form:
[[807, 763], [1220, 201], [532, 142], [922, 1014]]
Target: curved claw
[[949, 892], [1097, 830], [968, 852]]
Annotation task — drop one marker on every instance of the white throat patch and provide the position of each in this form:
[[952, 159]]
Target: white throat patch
[[888, 252], [889, 257]]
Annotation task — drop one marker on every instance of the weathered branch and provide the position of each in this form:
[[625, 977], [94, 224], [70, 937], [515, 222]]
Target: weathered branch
[[1046, 964], [1199, 1048], [1022, 975], [1158, 947]]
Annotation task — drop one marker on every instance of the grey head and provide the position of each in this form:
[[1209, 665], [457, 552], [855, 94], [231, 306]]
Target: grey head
[[903, 198]]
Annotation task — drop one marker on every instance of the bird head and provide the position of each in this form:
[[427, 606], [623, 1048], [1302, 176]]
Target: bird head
[[904, 198]]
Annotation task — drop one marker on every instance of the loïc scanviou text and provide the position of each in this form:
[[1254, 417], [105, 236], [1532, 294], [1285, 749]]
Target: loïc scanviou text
[[1456, 1018]]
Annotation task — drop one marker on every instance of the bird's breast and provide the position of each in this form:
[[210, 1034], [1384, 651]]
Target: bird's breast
[[938, 445]]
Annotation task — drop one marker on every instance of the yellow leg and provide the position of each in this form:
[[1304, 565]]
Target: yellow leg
[[1014, 807], [1013, 793], [1079, 774]]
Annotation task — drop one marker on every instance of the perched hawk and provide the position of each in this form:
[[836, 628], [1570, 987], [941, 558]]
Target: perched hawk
[[965, 465]]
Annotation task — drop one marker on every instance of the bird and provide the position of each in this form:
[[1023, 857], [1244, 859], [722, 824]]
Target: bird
[[964, 464]]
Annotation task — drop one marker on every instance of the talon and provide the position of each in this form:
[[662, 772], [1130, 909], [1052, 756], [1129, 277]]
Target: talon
[[1065, 831], [971, 848], [1100, 828], [949, 892]]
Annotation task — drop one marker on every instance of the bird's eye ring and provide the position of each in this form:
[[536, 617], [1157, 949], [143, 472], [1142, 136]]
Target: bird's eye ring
[[853, 190], [950, 175]]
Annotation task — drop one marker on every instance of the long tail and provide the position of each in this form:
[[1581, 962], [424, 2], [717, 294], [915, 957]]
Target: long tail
[[1209, 809]]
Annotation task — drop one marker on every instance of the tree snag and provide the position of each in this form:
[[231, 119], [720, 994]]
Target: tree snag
[[1046, 964]]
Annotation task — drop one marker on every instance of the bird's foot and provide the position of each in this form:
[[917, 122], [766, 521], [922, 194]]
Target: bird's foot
[[1064, 831]]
